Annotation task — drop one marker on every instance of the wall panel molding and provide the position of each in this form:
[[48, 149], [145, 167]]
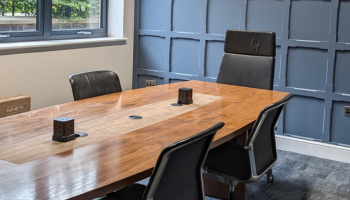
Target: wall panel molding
[[312, 61]]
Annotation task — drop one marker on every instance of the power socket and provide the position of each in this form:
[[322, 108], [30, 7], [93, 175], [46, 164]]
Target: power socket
[[63, 129], [347, 111], [185, 96], [150, 83]]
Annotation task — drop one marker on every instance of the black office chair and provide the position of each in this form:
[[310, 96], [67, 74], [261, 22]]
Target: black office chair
[[249, 59], [178, 171], [230, 163], [94, 83]]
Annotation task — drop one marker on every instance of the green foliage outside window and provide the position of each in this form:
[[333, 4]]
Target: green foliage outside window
[[64, 10], [27, 7]]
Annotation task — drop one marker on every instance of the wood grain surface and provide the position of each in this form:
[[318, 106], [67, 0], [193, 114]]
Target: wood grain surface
[[104, 166], [100, 129]]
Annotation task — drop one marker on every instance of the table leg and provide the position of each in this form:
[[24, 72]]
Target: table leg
[[220, 190]]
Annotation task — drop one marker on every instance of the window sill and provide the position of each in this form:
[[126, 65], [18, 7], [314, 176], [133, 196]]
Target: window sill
[[56, 45]]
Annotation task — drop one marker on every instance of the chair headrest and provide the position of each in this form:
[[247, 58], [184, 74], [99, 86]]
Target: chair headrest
[[251, 43]]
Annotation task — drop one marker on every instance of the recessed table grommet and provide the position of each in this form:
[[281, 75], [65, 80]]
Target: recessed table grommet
[[135, 117], [81, 134]]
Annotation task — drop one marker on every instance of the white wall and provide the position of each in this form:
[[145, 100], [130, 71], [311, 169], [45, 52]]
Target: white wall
[[44, 75]]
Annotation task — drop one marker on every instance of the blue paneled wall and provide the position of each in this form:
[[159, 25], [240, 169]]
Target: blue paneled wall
[[177, 40]]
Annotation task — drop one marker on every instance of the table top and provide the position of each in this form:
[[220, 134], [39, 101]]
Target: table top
[[118, 150], [101, 128]]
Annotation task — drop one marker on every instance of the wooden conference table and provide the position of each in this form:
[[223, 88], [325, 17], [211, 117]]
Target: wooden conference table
[[118, 151]]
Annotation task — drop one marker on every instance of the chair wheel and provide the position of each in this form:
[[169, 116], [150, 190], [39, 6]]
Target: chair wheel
[[270, 178]]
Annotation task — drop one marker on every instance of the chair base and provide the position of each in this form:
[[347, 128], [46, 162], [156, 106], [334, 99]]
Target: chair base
[[231, 195], [270, 177]]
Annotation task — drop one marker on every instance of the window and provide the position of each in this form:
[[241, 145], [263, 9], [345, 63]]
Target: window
[[31, 20]]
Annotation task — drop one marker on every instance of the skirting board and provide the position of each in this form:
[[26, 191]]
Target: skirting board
[[311, 148]]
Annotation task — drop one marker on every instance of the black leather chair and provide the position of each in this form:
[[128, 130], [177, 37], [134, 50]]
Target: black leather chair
[[249, 59], [178, 171], [94, 83], [231, 163]]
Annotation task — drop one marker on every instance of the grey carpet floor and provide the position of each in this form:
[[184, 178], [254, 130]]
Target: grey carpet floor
[[301, 177]]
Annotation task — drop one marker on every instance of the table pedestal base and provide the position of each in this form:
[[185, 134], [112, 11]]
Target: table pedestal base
[[220, 190]]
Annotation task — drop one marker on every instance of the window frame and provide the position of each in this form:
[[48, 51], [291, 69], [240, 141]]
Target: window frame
[[44, 27]]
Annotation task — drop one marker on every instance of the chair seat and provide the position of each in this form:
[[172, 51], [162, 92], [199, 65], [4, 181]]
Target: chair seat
[[133, 192], [229, 159]]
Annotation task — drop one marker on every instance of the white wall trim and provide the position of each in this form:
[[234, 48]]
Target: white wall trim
[[312, 148], [116, 17], [53, 43]]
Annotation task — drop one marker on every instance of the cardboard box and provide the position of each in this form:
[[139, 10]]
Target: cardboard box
[[14, 105]]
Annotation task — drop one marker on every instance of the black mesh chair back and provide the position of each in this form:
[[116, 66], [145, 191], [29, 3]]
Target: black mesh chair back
[[249, 59], [94, 83], [178, 172], [262, 138]]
